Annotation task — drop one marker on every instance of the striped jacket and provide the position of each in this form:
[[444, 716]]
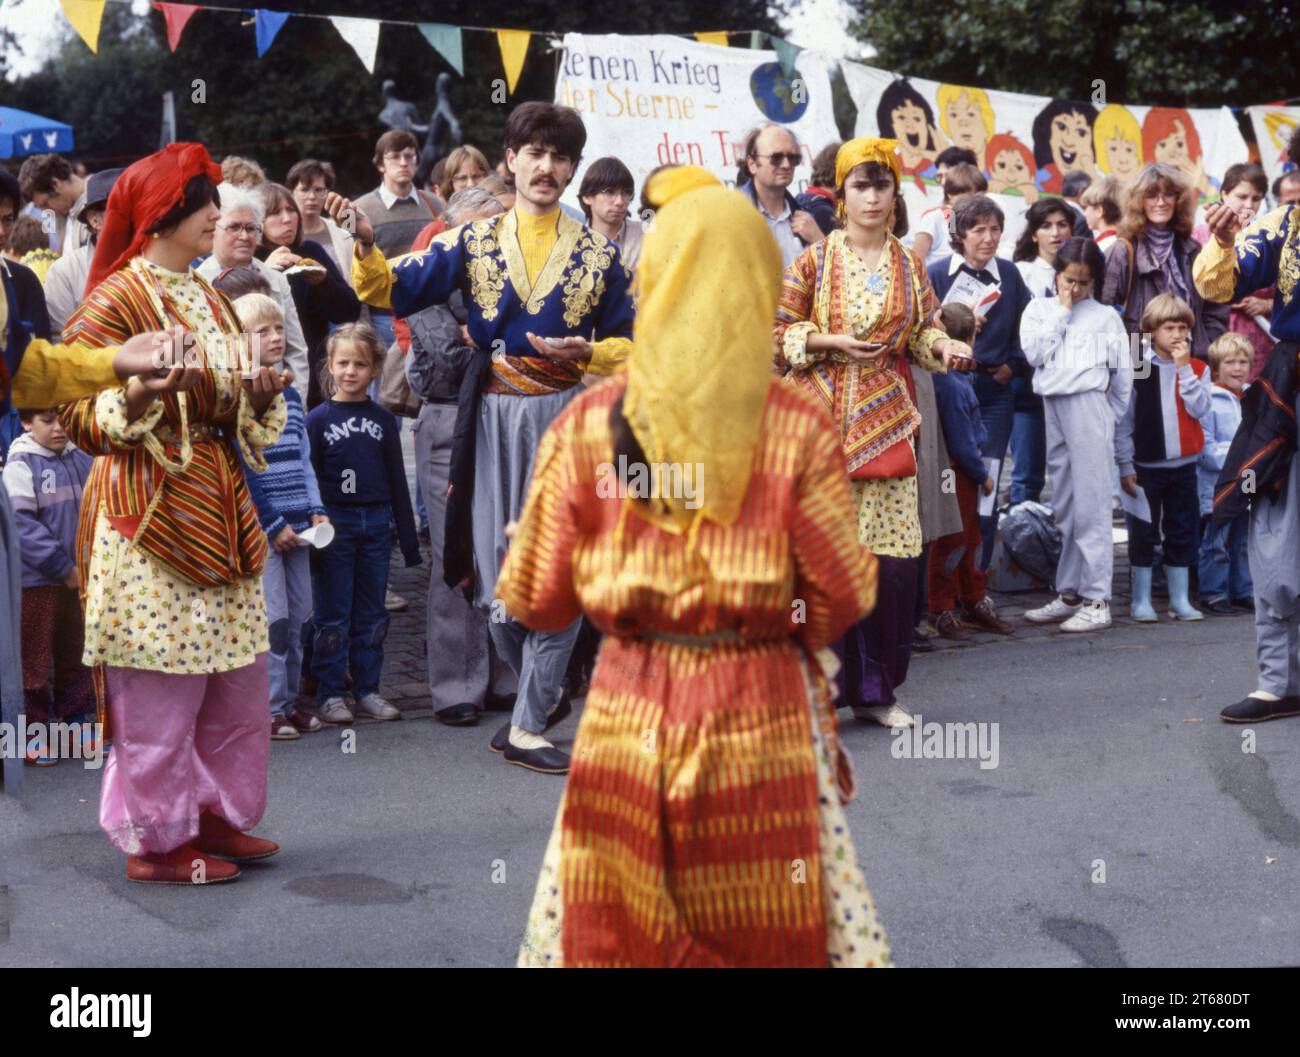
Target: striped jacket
[[199, 523], [1162, 426]]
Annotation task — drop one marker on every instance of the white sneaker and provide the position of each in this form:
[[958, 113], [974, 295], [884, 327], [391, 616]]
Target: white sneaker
[[895, 716], [1057, 609], [335, 710], [376, 707], [1092, 616]]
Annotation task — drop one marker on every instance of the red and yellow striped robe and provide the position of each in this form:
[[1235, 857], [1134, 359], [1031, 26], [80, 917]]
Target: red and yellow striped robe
[[692, 799]]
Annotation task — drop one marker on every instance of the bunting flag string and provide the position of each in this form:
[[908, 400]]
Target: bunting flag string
[[85, 16], [514, 46], [445, 40], [176, 16], [363, 35], [269, 23]]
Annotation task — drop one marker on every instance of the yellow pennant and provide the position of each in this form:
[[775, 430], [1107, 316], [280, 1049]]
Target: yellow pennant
[[514, 46], [713, 38], [85, 16]]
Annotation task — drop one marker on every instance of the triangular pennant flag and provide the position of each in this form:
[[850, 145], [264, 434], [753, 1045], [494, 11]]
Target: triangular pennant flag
[[362, 34], [176, 15], [719, 38], [756, 39], [445, 40], [786, 53], [268, 25], [85, 16], [514, 46]]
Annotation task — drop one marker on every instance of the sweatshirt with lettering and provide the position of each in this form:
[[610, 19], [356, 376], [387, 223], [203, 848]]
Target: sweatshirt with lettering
[[356, 452]]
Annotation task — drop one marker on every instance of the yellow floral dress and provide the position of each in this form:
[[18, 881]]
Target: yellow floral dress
[[888, 510]]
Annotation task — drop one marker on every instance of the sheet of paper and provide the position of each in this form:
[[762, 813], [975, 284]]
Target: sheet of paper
[[967, 290], [992, 467], [1136, 505]]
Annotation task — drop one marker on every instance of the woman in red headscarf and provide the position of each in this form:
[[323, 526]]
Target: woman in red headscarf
[[170, 551]]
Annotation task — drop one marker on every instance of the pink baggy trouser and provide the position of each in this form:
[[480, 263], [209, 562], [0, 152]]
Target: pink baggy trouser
[[183, 744]]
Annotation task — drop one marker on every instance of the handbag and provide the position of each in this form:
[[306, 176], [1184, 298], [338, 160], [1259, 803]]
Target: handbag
[[394, 391], [898, 460]]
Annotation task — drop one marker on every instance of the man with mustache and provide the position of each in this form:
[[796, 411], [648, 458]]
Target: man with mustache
[[547, 299]]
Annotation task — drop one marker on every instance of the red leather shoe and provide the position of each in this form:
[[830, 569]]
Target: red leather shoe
[[219, 837], [185, 865]]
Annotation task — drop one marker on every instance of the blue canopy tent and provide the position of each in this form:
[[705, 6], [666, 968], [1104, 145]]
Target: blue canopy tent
[[23, 133]]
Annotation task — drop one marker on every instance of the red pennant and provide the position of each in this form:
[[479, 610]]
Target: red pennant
[[176, 15]]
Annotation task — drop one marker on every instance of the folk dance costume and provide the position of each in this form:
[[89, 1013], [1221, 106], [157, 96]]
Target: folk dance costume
[[829, 290], [170, 554], [33, 373], [701, 823], [518, 273], [1260, 468]]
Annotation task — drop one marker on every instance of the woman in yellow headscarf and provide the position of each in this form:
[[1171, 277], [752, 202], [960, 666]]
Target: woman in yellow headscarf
[[698, 512], [855, 309]]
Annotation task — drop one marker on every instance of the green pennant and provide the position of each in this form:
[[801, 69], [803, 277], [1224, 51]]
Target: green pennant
[[446, 41], [756, 39], [786, 53]]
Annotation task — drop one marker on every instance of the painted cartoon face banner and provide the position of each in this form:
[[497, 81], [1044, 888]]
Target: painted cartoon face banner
[[656, 100], [1274, 126], [1026, 145]]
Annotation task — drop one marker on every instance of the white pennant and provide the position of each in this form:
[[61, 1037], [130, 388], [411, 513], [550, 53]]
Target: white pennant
[[362, 34]]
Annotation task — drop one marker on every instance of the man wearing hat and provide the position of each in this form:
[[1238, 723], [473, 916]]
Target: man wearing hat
[[65, 284]]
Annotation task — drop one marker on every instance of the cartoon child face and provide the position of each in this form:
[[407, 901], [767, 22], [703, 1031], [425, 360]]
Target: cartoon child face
[[1124, 157], [1009, 167], [1173, 149], [909, 126], [1071, 143], [966, 125]]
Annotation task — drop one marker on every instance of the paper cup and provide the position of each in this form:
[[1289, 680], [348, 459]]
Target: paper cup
[[317, 536]]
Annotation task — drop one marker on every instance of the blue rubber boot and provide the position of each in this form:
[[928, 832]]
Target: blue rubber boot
[[1179, 607], [1140, 608]]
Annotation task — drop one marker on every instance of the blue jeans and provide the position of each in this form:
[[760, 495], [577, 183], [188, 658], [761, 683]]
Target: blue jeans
[[286, 583], [997, 412], [1028, 443], [349, 579], [1223, 572]]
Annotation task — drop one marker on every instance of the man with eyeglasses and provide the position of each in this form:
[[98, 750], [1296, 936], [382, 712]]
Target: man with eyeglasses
[[396, 209], [771, 155]]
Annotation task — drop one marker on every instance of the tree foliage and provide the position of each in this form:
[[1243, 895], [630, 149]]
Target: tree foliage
[[1171, 52]]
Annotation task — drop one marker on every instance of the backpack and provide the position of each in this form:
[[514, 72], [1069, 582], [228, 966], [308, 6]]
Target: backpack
[[1031, 539]]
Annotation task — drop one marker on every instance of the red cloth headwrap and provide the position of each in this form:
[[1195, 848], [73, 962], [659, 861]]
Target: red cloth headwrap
[[142, 196]]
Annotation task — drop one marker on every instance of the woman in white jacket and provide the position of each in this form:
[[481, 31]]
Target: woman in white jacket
[[1083, 370]]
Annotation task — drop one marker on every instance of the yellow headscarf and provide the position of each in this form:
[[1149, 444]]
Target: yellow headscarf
[[700, 369], [864, 149]]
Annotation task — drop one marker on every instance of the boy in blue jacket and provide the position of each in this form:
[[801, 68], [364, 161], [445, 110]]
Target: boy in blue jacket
[[45, 475], [956, 580]]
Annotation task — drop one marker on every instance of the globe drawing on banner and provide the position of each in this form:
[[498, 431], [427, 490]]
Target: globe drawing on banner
[[774, 95]]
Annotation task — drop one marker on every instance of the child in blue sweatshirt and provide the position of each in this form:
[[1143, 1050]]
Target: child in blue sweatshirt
[[357, 454], [1223, 572], [288, 502], [956, 580], [45, 475]]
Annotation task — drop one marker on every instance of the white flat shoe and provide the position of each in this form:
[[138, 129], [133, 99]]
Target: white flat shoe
[[895, 716]]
